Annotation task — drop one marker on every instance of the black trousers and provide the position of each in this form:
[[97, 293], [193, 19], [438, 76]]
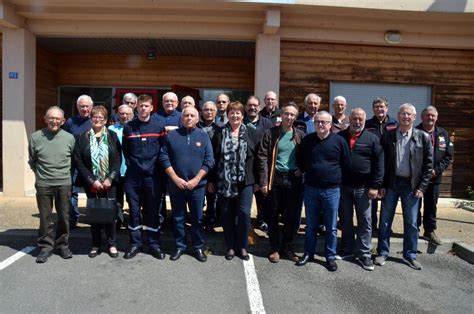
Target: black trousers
[[430, 207], [283, 201], [60, 196], [110, 230]]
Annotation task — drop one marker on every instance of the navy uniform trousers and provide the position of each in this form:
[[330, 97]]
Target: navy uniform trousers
[[144, 191]]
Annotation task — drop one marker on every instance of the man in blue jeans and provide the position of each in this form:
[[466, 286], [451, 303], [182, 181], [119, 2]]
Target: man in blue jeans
[[408, 164], [186, 157], [324, 158], [77, 125]]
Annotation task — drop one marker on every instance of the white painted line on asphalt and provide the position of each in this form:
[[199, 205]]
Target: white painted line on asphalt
[[253, 288], [12, 259]]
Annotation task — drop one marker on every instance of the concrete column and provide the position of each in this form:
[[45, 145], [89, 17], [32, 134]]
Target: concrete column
[[19, 102], [267, 64]]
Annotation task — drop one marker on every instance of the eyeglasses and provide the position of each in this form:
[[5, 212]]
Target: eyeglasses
[[321, 122], [209, 109], [98, 118], [130, 102]]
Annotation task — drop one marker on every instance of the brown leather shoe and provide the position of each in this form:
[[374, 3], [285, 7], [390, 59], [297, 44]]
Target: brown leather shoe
[[274, 257], [288, 251]]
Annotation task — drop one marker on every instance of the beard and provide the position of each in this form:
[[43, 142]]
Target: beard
[[355, 130]]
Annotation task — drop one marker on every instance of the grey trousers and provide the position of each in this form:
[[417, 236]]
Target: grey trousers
[[356, 198]]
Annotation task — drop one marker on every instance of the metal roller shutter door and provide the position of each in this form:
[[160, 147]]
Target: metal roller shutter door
[[362, 95]]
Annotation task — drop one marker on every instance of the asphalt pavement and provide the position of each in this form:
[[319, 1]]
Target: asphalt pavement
[[145, 284]]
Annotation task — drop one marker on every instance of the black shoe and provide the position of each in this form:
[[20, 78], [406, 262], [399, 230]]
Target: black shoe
[[72, 225], [94, 252], [65, 253], [200, 256], [132, 252], [321, 230], [263, 226], [176, 255], [244, 255], [210, 229], [331, 265], [43, 256], [304, 260], [113, 255], [230, 254], [156, 253]]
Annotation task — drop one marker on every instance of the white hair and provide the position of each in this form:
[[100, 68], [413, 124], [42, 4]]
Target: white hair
[[84, 97], [306, 99], [54, 108], [407, 106], [170, 94], [130, 96], [360, 110], [124, 106], [340, 98]]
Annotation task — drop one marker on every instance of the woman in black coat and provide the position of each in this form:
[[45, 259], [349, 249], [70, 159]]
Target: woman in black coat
[[97, 158], [233, 179]]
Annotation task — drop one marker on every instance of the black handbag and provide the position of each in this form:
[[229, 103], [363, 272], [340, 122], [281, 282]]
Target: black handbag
[[99, 210]]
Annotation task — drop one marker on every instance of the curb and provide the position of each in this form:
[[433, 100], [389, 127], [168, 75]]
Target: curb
[[464, 251]]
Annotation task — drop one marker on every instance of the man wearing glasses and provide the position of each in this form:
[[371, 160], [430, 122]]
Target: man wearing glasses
[[324, 158], [208, 125], [125, 113], [129, 99], [222, 102]]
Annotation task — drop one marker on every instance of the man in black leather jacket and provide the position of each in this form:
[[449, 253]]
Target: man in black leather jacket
[[408, 164], [442, 156]]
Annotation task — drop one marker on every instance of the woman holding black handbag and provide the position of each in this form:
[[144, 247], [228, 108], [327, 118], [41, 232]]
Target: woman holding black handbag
[[97, 158]]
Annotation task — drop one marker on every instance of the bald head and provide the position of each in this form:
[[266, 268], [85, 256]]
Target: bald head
[[271, 101], [187, 101]]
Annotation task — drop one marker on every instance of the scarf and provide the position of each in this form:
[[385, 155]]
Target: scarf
[[232, 164], [99, 154]]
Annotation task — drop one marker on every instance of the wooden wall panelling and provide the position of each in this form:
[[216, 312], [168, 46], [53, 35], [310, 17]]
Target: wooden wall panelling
[[309, 67], [123, 70]]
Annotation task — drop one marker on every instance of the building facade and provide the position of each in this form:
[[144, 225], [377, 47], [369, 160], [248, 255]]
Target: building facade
[[416, 51]]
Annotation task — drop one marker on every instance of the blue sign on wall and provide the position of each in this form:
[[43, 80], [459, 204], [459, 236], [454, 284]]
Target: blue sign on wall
[[13, 75]]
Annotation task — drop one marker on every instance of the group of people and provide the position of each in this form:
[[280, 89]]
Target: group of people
[[226, 154]]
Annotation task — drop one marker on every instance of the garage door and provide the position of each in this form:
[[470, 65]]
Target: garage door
[[362, 95]]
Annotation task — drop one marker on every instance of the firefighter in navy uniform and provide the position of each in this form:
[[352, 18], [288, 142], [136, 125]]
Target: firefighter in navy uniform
[[443, 150], [141, 146]]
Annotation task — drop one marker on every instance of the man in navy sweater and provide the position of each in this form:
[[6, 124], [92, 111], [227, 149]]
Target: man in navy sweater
[[141, 146], [360, 188], [324, 158], [77, 125], [170, 117], [187, 157]]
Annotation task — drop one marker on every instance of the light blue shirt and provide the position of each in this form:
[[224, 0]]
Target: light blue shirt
[[118, 129]]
